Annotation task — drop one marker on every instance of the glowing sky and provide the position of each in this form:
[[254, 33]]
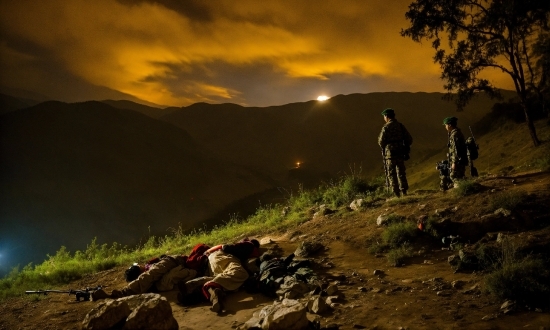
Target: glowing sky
[[176, 52]]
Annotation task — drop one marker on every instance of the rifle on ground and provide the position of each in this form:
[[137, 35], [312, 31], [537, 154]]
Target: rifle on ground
[[473, 170], [84, 293], [386, 171]]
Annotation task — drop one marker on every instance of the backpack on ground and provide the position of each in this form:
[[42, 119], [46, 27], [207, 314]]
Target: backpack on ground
[[472, 148]]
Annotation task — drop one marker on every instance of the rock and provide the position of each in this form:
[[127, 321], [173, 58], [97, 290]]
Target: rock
[[317, 305], [489, 317], [508, 307], [106, 315], [144, 311], [457, 284], [378, 272], [288, 314], [266, 241], [308, 248], [503, 212], [332, 290], [153, 313], [357, 204], [382, 219], [444, 293]]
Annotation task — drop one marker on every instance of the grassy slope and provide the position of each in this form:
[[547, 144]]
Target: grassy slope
[[507, 148]]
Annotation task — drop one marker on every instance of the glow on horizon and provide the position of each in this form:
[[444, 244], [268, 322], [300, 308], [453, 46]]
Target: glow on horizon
[[322, 98]]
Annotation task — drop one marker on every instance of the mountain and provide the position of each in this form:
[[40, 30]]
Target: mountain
[[9, 103], [331, 137], [153, 112], [72, 172]]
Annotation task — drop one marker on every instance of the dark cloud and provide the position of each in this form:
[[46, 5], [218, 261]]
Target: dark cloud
[[193, 9]]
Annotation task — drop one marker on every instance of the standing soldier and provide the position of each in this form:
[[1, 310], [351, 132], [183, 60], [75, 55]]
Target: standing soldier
[[395, 141], [457, 154]]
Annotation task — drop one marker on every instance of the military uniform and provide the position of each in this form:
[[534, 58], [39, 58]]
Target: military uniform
[[393, 140], [457, 155]]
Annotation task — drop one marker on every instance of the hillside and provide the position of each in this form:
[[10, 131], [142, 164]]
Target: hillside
[[326, 137], [425, 292], [72, 172]]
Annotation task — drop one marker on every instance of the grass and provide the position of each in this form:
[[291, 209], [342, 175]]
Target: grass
[[507, 200], [525, 279], [64, 266], [397, 256], [466, 187], [399, 233]]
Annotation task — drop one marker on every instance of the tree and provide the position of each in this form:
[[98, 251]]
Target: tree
[[507, 35]]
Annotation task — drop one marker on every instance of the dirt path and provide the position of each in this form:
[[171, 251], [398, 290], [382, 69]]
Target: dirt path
[[423, 294]]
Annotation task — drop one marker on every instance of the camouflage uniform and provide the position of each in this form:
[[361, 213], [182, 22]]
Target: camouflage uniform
[[458, 155], [392, 138], [163, 275]]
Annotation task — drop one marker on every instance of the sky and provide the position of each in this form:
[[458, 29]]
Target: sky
[[176, 52]]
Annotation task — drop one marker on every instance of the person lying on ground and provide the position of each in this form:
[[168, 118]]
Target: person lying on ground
[[226, 266], [160, 274]]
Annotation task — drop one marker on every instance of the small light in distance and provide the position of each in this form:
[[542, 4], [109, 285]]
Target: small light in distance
[[322, 98]]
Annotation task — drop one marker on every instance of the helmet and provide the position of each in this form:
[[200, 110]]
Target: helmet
[[132, 273]]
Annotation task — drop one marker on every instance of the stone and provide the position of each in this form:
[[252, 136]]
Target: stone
[[284, 315], [153, 313], [382, 219], [357, 204], [106, 315], [317, 305]]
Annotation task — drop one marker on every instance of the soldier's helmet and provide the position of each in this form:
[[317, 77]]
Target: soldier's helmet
[[388, 112]]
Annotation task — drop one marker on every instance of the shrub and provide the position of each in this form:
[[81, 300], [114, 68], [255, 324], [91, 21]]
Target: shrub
[[466, 187], [525, 280], [398, 233], [397, 256]]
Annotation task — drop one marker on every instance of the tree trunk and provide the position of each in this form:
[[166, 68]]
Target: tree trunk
[[530, 124]]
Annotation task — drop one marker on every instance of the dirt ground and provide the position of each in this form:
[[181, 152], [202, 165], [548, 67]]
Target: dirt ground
[[421, 294]]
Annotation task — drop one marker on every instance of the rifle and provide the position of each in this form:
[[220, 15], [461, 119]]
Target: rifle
[[84, 293], [385, 170], [473, 170]]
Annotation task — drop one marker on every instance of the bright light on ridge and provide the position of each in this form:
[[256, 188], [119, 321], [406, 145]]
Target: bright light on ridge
[[322, 98]]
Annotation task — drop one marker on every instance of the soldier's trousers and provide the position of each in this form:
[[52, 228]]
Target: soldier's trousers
[[164, 275], [227, 270], [459, 173], [397, 175]]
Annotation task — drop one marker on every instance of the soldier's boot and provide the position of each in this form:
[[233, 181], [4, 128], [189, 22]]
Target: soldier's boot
[[397, 192], [216, 299], [100, 294], [403, 192]]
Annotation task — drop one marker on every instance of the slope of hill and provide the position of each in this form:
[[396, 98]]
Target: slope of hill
[[425, 292], [325, 136], [153, 112], [71, 172]]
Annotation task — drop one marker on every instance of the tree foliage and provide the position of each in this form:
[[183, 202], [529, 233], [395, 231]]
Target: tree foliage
[[511, 36]]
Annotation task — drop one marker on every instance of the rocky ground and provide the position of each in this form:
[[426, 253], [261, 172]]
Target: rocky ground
[[423, 293]]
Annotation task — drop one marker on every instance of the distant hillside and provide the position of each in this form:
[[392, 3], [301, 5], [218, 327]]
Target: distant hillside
[[70, 172], [152, 112], [327, 137], [10, 103]]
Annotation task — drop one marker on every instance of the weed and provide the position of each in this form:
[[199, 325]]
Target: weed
[[398, 233], [507, 200], [466, 187], [430, 226], [542, 163], [397, 256], [526, 280]]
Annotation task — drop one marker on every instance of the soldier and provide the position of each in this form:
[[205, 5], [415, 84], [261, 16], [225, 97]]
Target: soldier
[[395, 141], [457, 155]]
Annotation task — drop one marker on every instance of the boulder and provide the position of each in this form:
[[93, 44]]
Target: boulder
[[106, 315]]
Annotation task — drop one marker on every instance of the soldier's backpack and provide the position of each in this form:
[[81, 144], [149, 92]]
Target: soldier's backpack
[[472, 148]]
